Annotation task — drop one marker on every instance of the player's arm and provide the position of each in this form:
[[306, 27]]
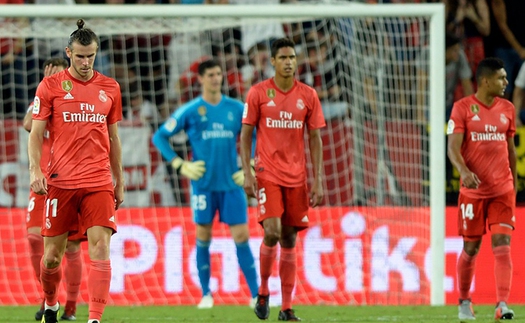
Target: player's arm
[[28, 118], [468, 178], [36, 139], [513, 160], [517, 100], [246, 154], [316, 154], [115, 160]]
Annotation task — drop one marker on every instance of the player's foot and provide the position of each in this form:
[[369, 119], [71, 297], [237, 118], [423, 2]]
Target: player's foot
[[51, 316], [69, 312], [206, 302], [502, 312], [93, 321], [288, 315], [465, 311], [39, 313], [262, 307], [252, 303]]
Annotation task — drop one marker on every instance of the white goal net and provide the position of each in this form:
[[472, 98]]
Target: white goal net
[[369, 243]]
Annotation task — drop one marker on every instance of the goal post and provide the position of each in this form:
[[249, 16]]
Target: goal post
[[382, 186]]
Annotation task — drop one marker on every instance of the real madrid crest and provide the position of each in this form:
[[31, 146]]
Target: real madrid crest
[[474, 108], [202, 112], [270, 93], [67, 85]]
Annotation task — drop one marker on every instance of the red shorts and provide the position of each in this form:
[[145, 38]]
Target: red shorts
[[288, 203], [76, 210], [474, 214], [35, 214]]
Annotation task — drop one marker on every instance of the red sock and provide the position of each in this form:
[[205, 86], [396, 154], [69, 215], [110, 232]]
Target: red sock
[[73, 273], [98, 281], [267, 258], [50, 280], [466, 266], [502, 272], [36, 251], [287, 272]]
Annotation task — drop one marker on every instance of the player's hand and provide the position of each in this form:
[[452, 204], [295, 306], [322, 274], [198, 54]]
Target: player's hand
[[316, 194], [38, 182], [238, 176], [250, 185], [470, 180], [192, 170], [119, 195], [50, 70]]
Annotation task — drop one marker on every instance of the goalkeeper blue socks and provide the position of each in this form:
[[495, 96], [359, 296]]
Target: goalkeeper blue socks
[[203, 265], [247, 264]]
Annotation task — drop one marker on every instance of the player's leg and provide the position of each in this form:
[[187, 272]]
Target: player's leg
[[501, 221], [59, 205], [73, 276], [204, 206], [295, 218], [270, 209], [97, 218], [471, 225], [34, 217], [233, 211]]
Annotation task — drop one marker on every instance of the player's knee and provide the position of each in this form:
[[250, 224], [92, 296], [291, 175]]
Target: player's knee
[[271, 237], [52, 258], [99, 250]]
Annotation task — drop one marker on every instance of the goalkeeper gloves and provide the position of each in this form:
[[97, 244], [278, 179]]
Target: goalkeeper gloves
[[192, 170], [238, 176]]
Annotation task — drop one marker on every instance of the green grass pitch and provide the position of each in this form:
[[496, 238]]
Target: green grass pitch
[[238, 314]]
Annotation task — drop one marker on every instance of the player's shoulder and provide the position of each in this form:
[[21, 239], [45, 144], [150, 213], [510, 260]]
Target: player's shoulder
[[504, 102], [227, 100], [189, 107], [262, 86], [106, 80], [466, 102]]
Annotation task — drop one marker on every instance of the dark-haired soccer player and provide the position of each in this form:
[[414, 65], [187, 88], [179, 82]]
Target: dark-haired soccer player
[[280, 109], [481, 147], [81, 108], [212, 122], [35, 211]]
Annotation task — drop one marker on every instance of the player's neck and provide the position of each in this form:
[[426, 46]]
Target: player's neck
[[79, 77], [212, 98], [485, 98], [283, 83]]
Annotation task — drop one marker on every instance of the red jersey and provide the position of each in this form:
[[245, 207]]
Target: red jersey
[[484, 147], [7, 43], [78, 114], [46, 147], [280, 119]]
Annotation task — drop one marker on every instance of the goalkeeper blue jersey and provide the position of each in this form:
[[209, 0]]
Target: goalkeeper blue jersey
[[212, 131]]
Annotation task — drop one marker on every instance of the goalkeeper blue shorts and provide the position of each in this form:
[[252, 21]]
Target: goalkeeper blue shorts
[[231, 205]]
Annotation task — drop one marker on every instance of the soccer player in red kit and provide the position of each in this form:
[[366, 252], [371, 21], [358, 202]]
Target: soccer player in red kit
[[280, 109], [81, 108], [35, 211], [481, 147]]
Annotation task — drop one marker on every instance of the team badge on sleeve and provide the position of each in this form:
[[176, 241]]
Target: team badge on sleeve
[[36, 105], [170, 124], [245, 111], [450, 127]]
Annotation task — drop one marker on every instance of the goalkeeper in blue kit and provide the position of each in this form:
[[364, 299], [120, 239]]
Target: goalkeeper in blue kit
[[212, 123]]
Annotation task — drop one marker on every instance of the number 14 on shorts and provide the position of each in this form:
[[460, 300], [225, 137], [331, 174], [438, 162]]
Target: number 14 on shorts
[[467, 212]]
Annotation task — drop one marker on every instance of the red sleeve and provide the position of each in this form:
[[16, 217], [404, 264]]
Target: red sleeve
[[115, 114], [457, 117], [315, 119], [43, 101], [251, 107]]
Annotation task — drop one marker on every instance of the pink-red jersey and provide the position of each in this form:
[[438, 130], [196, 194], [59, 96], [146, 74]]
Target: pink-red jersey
[[484, 147], [78, 114], [280, 119], [46, 147]]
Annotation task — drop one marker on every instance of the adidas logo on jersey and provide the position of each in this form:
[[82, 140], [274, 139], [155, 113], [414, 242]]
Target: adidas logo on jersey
[[271, 104], [305, 218], [476, 118], [112, 219], [68, 96]]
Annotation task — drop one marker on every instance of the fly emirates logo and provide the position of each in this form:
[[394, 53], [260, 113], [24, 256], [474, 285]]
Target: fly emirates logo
[[490, 134], [285, 121], [86, 114]]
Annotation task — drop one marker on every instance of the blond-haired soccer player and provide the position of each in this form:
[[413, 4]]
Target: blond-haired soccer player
[[35, 210], [481, 147], [280, 109], [81, 108]]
